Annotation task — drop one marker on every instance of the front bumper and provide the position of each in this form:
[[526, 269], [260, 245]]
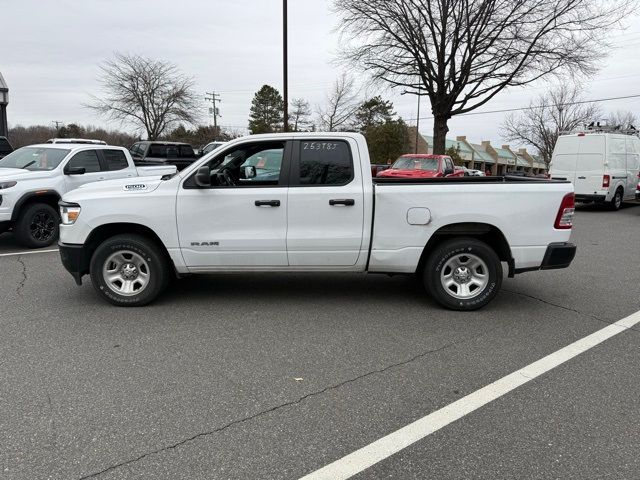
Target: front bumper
[[75, 260]]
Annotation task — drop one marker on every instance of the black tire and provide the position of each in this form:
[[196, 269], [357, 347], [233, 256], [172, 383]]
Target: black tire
[[38, 225], [438, 266], [616, 201], [133, 249]]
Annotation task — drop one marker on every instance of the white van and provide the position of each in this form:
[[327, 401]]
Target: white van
[[603, 167]]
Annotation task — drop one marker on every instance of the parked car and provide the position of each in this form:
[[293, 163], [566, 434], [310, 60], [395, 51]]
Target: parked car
[[210, 147], [77, 140], [475, 173], [603, 167], [163, 153], [376, 168], [33, 179], [5, 147], [638, 189], [324, 212], [421, 166]]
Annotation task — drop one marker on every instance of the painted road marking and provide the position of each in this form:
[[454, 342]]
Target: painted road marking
[[383, 448], [31, 252]]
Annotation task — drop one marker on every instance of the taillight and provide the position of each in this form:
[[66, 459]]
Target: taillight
[[606, 180], [564, 219]]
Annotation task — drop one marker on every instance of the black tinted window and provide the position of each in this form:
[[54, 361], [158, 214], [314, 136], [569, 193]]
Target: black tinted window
[[325, 163], [137, 150], [116, 159], [87, 160], [5, 147], [187, 152]]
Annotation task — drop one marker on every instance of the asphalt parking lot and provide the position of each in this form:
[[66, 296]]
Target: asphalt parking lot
[[259, 376]]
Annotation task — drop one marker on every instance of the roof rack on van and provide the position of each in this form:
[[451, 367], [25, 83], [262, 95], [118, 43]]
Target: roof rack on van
[[597, 127]]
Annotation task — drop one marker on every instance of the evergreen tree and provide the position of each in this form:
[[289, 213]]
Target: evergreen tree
[[373, 112], [267, 111]]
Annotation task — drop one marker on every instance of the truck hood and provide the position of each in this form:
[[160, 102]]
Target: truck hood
[[21, 174], [119, 187]]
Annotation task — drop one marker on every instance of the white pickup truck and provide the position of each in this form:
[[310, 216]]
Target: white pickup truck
[[34, 178], [307, 202]]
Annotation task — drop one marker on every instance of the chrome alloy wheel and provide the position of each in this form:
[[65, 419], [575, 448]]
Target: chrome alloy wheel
[[464, 276], [126, 273]]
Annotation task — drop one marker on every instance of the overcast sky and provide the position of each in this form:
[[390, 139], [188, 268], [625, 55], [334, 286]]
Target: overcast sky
[[51, 51]]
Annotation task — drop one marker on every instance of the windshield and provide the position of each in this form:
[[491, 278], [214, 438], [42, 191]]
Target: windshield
[[34, 158], [408, 163], [211, 147]]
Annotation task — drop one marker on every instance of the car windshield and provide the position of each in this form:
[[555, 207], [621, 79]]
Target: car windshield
[[409, 163], [210, 148], [34, 158]]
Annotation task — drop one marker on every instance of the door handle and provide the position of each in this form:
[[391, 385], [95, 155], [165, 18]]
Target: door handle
[[347, 202], [267, 203], [582, 178]]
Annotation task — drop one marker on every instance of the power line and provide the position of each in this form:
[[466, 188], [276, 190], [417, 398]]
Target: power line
[[506, 110]]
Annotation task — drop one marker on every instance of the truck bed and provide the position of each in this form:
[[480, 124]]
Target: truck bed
[[408, 212]]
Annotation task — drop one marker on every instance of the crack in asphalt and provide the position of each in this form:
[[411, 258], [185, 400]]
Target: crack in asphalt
[[288, 404], [24, 276], [568, 309]]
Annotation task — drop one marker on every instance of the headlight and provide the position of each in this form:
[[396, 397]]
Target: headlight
[[4, 185], [69, 212]]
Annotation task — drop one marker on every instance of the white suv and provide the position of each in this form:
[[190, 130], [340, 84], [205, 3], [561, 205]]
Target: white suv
[[34, 178]]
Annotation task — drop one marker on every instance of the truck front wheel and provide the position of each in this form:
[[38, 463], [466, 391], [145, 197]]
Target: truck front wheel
[[463, 274], [129, 270], [37, 226]]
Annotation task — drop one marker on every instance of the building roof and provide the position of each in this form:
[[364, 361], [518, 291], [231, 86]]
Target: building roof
[[522, 162], [481, 154], [3, 84], [465, 152], [504, 153]]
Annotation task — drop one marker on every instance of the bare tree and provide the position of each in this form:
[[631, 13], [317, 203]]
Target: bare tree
[[300, 114], [560, 110], [149, 94], [340, 106], [462, 53], [623, 119]]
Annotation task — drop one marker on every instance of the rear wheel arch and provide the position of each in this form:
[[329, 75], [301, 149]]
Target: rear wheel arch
[[489, 234]]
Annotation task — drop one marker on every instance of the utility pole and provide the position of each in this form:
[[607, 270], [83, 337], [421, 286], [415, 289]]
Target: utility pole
[[214, 97], [285, 65], [57, 123]]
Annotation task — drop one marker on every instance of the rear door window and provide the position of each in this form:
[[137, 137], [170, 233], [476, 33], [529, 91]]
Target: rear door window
[[116, 159], [322, 162], [186, 151]]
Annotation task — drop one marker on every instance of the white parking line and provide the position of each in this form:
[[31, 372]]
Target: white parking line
[[30, 252], [383, 448]]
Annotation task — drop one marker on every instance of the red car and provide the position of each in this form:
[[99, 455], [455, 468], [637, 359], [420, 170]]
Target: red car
[[422, 166]]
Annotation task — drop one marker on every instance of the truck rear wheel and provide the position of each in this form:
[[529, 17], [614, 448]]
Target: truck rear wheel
[[616, 201], [38, 226], [463, 274], [129, 270]]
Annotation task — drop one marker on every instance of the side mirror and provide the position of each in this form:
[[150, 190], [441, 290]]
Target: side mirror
[[448, 171], [250, 172], [203, 177], [75, 170]]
